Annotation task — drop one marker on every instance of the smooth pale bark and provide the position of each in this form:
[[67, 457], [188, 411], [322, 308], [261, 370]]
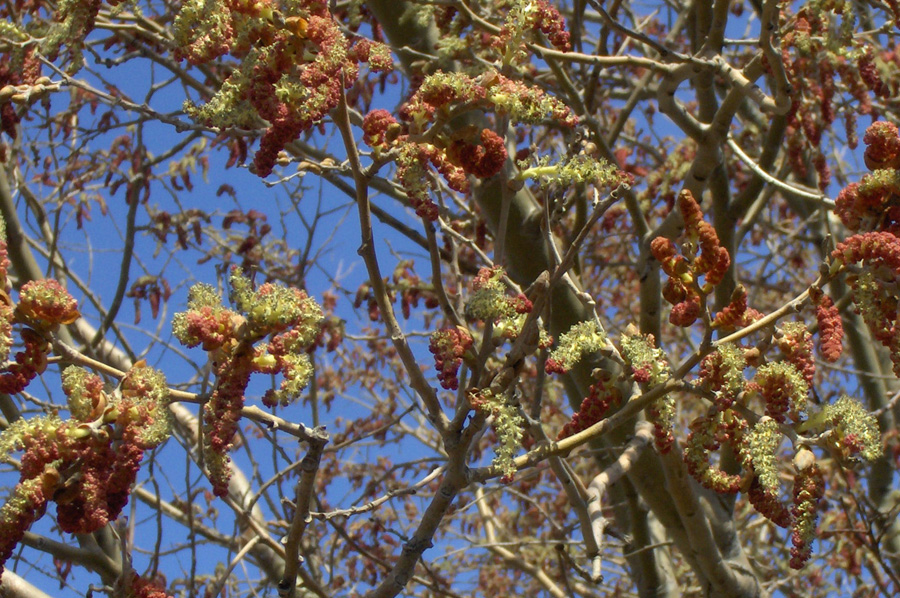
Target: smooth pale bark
[[13, 586]]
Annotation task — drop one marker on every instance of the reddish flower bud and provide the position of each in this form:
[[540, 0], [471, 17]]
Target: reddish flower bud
[[604, 395], [882, 145], [448, 347], [831, 329]]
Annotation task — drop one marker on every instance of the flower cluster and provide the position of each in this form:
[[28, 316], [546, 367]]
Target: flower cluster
[[722, 371], [442, 92], [604, 395], [882, 141], [293, 66], [783, 389], [24, 506], [831, 328], [796, 345], [88, 464], [647, 361], [707, 434], [767, 503], [854, 431], [818, 45], [206, 320], [448, 347], [84, 394], [507, 424], [414, 175], [509, 329], [526, 16], [20, 76], [29, 362], [759, 458], [286, 354], [7, 314], [43, 306], [47, 304], [380, 130], [221, 414], [142, 587], [581, 339], [873, 204], [701, 255], [4, 258], [477, 152], [809, 487], [649, 365], [7, 309], [876, 285], [489, 301], [74, 20], [525, 104], [287, 317], [580, 168], [482, 157], [737, 314], [762, 446]]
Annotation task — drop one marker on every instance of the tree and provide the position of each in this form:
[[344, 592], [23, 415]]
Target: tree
[[623, 318]]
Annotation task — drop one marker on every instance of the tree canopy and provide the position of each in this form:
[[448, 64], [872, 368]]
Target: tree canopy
[[449, 298]]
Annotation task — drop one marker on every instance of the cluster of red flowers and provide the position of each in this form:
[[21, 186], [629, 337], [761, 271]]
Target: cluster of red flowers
[[17, 67], [294, 65], [141, 587], [796, 345], [85, 465], [382, 132], [783, 389], [683, 289], [723, 373], [448, 346], [767, 503], [43, 305], [737, 314], [482, 158], [551, 23], [291, 321], [24, 506], [811, 62], [868, 72], [221, 415], [29, 362], [479, 152], [831, 329], [604, 395], [321, 79], [661, 415], [876, 286], [873, 204]]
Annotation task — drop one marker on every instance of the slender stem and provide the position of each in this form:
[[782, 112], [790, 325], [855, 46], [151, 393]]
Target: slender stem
[[367, 252]]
